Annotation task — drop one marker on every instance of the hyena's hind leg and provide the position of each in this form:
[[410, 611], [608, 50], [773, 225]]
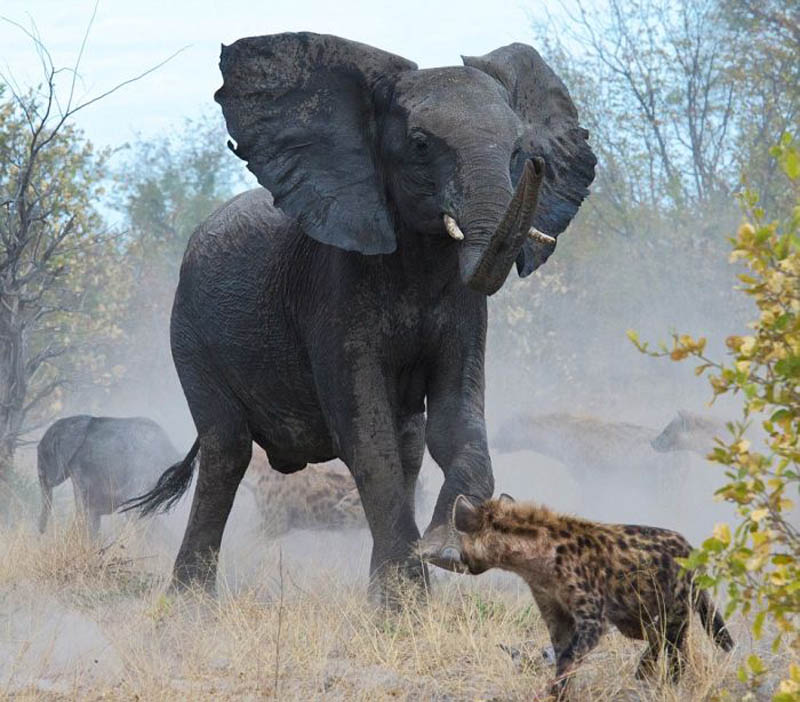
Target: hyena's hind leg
[[648, 662], [675, 647], [670, 637]]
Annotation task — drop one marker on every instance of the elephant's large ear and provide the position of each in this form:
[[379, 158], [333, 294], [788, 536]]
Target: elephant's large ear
[[66, 442], [300, 109], [542, 101]]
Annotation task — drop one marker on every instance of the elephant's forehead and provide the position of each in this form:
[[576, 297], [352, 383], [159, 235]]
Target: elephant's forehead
[[439, 97]]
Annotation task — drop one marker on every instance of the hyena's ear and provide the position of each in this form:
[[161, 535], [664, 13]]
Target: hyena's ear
[[466, 517], [505, 497]]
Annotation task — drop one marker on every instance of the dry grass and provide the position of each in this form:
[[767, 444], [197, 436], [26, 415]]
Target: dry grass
[[80, 620]]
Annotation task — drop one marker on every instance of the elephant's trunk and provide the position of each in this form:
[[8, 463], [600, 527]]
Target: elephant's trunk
[[47, 503], [496, 230], [50, 473]]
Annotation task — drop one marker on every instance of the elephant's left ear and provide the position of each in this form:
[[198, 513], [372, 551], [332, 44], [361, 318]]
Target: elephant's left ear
[[542, 101], [300, 107]]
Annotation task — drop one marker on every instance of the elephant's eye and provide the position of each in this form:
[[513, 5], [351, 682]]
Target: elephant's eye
[[419, 143]]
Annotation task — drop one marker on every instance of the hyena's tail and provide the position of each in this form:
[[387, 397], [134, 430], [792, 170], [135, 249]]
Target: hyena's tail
[[169, 488], [713, 622]]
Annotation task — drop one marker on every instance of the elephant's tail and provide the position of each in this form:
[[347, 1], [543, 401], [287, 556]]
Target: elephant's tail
[[174, 481], [47, 503], [46, 463]]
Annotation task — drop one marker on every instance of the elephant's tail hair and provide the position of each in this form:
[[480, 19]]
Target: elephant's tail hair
[[174, 481]]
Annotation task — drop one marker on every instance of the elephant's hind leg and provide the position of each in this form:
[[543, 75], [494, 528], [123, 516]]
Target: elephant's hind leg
[[224, 456]]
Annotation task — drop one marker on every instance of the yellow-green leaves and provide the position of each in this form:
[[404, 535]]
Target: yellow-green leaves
[[759, 562], [722, 532]]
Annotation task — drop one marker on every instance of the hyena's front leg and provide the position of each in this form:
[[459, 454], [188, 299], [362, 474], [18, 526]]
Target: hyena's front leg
[[560, 624], [589, 628]]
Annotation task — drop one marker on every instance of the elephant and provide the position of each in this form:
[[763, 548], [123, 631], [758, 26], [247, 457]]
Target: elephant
[[689, 432], [340, 310], [109, 459], [604, 457], [587, 445]]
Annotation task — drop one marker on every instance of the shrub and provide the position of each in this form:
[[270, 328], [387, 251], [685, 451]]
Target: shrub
[[758, 560]]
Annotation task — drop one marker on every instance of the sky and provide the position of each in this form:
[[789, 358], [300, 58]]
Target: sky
[[130, 36]]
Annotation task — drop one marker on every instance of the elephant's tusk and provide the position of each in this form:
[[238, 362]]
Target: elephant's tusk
[[452, 228], [536, 235]]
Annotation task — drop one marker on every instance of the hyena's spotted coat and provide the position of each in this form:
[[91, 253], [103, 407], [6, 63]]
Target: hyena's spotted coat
[[585, 574], [320, 496]]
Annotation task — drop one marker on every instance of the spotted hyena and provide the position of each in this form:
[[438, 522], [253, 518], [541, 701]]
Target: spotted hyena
[[586, 574], [322, 496]]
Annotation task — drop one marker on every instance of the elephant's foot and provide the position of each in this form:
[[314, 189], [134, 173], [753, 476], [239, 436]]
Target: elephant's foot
[[198, 574], [396, 585], [441, 546]]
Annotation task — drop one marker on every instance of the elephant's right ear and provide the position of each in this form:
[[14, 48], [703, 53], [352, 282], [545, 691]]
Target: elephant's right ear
[[300, 109], [553, 133]]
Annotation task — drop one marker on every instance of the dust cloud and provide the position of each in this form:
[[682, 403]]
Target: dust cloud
[[565, 352], [557, 344]]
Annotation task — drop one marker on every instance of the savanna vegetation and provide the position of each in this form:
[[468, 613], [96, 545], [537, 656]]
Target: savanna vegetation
[[757, 563], [694, 112]]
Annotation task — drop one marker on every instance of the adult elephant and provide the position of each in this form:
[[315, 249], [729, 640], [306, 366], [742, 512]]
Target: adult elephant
[[108, 459], [342, 320]]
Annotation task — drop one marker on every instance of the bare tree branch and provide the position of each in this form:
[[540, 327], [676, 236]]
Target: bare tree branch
[[45, 233]]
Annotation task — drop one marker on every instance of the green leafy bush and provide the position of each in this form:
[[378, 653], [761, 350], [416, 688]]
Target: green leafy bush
[[758, 560]]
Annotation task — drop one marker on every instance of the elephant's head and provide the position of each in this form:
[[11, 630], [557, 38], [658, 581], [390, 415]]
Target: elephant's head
[[358, 144], [689, 432], [52, 472]]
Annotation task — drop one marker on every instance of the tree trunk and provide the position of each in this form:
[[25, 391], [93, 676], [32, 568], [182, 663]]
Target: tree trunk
[[13, 385], [6, 459]]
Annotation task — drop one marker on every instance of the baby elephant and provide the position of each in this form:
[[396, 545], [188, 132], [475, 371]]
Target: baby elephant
[[109, 460], [585, 574]]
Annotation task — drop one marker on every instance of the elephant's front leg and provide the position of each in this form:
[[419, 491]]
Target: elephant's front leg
[[373, 444], [81, 504], [456, 437], [377, 468], [390, 517], [93, 523]]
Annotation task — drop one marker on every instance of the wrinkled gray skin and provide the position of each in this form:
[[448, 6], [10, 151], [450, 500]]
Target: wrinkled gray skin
[[342, 320], [689, 432], [108, 459]]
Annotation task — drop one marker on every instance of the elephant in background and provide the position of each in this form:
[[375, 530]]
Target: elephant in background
[[340, 311], [589, 446], [108, 459], [689, 431], [603, 456]]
